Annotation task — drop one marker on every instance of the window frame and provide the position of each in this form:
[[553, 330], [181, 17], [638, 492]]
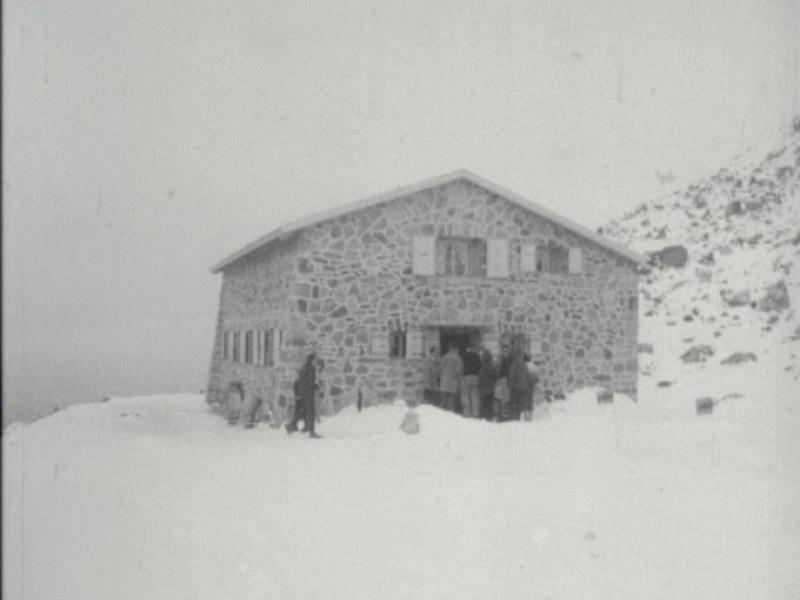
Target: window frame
[[398, 343], [473, 249]]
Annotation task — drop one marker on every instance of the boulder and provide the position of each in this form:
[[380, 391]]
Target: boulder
[[664, 383], [739, 357], [775, 298], [644, 348], [736, 298], [697, 353], [605, 396], [735, 207], [704, 406], [703, 276], [675, 257], [410, 423]]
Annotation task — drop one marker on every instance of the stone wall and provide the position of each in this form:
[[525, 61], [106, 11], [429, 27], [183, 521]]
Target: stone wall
[[344, 283], [255, 296]]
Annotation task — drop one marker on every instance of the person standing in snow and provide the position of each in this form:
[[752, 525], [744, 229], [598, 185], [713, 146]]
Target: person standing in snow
[[527, 399], [305, 388], [520, 385], [450, 382], [319, 394], [431, 385], [487, 379], [501, 389], [469, 383]]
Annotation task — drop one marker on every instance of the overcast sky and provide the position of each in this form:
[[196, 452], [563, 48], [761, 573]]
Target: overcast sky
[[145, 140]]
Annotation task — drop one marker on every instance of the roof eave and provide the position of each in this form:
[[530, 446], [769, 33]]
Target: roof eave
[[399, 192]]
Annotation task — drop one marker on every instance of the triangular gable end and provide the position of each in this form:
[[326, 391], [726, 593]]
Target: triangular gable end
[[400, 192]]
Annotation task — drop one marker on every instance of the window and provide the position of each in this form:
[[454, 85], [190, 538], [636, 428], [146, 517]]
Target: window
[[461, 256], [397, 344], [552, 259], [236, 347], [226, 345], [248, 348], [269, 348]]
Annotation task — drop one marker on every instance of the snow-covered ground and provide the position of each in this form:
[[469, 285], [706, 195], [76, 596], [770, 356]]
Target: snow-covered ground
[[157, 497]]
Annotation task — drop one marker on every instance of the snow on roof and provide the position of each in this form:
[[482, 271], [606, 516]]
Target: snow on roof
[[399, 192]]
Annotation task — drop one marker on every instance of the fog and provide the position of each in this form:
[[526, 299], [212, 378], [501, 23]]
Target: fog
[[145, 141]]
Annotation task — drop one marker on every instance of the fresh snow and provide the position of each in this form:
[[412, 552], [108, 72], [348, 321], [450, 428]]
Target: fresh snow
[[158, 497]]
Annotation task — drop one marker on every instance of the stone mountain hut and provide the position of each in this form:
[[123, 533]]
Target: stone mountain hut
[[373, 285]]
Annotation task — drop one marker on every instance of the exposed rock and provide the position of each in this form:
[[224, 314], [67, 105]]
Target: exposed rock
[[776, 298], [675, 257], [739, 357], [704, 406], [736, 298], [703, 275], [605, 396], [645, 348], [410, 422], [707, 259], [735, 207], [697, 353]]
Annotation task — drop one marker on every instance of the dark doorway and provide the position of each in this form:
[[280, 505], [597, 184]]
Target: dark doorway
[[463, 337]]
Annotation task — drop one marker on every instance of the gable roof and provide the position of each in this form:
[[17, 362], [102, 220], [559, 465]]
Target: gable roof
[[407, 190]]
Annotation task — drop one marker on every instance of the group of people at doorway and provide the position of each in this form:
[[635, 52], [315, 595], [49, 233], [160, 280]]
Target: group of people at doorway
[[473, 384], [478, 386]]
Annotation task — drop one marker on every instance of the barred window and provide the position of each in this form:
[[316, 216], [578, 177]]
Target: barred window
[[552, 258]]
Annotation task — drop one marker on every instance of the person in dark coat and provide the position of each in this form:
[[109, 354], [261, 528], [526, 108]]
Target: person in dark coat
[[470, 397], [520, 385], [432, 368], [501, 389], [306, 388], [527, 399], [487, 379]]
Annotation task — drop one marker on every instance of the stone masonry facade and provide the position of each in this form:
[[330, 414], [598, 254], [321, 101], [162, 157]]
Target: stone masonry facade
[[340, 286]]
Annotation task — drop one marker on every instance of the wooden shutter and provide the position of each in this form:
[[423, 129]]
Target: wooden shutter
[[527, 259], [575, 260], [424, 254], [497, 258]]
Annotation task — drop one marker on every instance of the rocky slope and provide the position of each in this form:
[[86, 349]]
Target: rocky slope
[[723, 286]]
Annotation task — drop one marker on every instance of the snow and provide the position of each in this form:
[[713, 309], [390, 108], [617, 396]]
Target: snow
[[158, 497]]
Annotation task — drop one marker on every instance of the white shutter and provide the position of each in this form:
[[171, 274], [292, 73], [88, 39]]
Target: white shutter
[[527, 258], [497, 258], [575, 260], [424, 254]]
